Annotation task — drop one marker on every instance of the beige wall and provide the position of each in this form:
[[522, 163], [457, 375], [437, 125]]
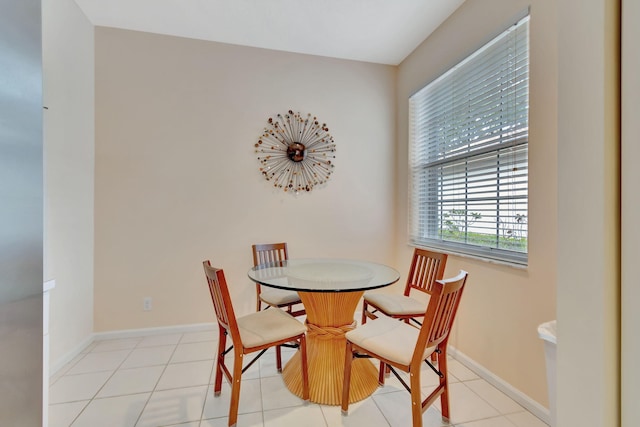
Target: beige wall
[[67, 45], [589, 214], [177, 180], [502, 306], [630, 213]]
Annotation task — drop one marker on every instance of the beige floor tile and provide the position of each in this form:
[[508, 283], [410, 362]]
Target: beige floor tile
[[307, 416], [102, 361], [188, 374], [244, 420], [268, 362], [461, 372], [496, 398], [121, 411], [151, 356], [63, 414], [71, 388], [276, 395], [525, 419], [396, 408], [188, 352], [174, 406], [363, 413], [132, 381], [465, 405], [250, 400]]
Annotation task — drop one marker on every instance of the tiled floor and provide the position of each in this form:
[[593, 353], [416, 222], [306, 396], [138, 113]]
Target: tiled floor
[[166, 380]]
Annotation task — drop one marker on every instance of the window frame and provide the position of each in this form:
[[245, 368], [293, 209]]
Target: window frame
[[424, 226]]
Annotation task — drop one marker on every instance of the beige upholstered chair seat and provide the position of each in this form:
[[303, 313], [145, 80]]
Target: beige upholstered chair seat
[[396, 305], [279, 297], [267, 326], [389, 338], [426, 267]]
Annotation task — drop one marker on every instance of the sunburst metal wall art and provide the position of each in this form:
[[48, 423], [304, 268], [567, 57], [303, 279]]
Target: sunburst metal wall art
[[296, 152]]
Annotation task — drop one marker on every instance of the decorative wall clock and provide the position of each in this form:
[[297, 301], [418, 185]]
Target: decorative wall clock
[[295, 152]]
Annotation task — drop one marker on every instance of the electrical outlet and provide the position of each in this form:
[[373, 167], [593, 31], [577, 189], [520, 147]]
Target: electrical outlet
[[146, 304]]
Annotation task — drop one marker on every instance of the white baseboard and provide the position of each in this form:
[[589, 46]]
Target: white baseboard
[[70, 355], [134, 333], [126, 333], [519, 397]]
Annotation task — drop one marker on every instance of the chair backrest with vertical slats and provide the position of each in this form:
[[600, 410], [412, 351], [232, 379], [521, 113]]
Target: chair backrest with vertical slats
[[441, 312], [221, 299], [269, 253], [426, 267]]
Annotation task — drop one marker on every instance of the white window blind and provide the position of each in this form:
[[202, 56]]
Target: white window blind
[[468, 153]]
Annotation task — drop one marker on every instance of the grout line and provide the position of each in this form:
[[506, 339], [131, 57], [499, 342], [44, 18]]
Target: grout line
[[157, 381], [101, 387], [206, 393]]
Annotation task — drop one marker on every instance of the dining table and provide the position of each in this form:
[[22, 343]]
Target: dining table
[[330, 290]]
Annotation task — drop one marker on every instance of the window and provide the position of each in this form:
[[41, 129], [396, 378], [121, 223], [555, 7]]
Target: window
[[468, 153]]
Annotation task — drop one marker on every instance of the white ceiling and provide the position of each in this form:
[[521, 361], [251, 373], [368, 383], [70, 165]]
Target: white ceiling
[[380, 31]]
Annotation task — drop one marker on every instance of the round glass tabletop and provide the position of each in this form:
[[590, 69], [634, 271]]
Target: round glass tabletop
[[324, 275]]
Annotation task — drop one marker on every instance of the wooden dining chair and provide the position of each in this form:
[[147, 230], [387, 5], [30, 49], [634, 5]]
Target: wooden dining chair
[[272, 297], [252, 333], [426, 267], [404, 347]]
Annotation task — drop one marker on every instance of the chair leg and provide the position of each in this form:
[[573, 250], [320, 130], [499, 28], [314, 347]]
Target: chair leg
[[416, 397], [444, 383], [364, 312], [346, 383], [278, 358], [235, 388], [305, 368], [222, 342], [382, 373], [258, 300]]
